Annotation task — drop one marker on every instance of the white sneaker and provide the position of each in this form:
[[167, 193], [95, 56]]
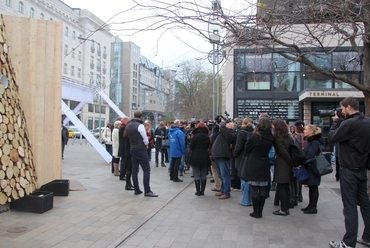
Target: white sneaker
[[361, 241], [338, 244]]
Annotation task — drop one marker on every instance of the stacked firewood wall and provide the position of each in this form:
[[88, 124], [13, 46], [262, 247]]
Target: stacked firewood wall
[[17, 170]]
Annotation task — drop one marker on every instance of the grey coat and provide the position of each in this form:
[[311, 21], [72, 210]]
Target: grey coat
[[283, 162]]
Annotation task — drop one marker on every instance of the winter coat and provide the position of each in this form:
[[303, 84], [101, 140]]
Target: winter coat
[[177, 142], [121, 149], [221, 143], [200, 142], [257, 150], [283, 172], [312, 148], [107, 136], [115, 142], [353, 136], [159, 133], [241, 140], [65, 135]]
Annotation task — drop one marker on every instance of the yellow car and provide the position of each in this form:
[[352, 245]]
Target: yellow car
[[71, 133]]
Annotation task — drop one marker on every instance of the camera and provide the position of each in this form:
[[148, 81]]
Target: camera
[[331, 113]]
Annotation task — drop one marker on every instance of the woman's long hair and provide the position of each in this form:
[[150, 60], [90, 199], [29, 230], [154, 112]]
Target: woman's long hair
[[280, 128], [263, 124]]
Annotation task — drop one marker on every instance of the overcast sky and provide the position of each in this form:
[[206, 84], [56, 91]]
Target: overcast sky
[[172, 48]]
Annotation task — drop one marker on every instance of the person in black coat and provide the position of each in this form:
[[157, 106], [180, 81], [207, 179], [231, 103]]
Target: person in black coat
[[124, 153], [245, 132], [257, 167], [159, 134], [199, 157], [65, 136], [312, 148]]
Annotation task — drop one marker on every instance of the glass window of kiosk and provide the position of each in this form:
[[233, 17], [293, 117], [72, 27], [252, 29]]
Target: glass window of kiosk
[[321, 116]]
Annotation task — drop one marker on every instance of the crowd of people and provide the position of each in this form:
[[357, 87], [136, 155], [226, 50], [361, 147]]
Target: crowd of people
[[252, 157]]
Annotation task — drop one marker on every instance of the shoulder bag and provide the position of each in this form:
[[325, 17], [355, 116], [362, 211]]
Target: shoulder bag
[[322, 164], [300, 173]]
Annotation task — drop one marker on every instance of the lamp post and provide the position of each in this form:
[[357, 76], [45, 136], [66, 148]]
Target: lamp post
[[100, 83]]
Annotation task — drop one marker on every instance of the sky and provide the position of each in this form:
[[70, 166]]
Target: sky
[[168, 50]]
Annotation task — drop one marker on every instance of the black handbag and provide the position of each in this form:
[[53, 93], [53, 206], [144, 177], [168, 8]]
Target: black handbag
[[300, 173], [323, 166], [165, 143]]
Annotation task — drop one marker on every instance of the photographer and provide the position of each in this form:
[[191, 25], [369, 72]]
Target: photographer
[[352, 132], [221, 154]]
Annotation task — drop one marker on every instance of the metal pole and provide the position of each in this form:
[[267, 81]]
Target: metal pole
[[213, 89], [100, 88], [218, 86]]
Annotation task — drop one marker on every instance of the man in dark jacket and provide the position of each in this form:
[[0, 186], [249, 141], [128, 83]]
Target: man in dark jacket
[[65, 136], [352, 132], [221, 154], [125, 155], [139, 143]]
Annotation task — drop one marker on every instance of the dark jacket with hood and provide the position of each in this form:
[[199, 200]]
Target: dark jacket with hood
[[312, 149], [353, 135], [221, 143], [257, 149], [199, 145]]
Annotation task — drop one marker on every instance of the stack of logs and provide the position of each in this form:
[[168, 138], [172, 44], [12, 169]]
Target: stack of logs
[[17, 170]]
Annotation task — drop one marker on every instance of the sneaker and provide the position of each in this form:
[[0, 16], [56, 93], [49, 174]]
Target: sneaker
[[361, 241], [338, 244], [218, 194]]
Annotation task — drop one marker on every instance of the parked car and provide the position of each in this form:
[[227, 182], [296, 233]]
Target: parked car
[[71, 133], [76, 131], [96, 132]]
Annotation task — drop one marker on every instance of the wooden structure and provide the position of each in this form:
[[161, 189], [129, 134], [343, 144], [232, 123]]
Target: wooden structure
[[34, 60]]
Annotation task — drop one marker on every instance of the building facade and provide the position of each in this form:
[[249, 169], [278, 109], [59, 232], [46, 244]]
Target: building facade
[[85, 62]]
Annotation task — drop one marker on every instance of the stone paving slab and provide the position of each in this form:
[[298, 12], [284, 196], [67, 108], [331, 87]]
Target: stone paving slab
[[106, 215]]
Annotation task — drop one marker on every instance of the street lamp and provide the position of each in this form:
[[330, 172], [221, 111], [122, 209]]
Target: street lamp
[[100, 78]]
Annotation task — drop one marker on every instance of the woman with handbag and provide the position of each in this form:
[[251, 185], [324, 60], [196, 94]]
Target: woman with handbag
[[283, 173], [313, 136], [244, 134]]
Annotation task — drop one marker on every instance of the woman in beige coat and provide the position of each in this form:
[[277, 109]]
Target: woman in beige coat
[[115, 143]]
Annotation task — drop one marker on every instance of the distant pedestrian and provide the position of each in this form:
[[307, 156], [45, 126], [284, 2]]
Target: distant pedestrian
[[65, 137], [115, 145], [139, 143], [159, 135], [177, 146]]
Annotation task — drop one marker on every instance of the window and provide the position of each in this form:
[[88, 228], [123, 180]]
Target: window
[[73, 35], [104, 52], [32, 13], [98, 64], [42, 16], [65, 49], [9, 3], [92, 47], [79, 72], [92, 62], [20, 7], [66, 31], [72, 70], [314, 80], [73, 53], [91, 108], [98, 51], [258, 81], [91, 77], [79, 55], [65, 68]]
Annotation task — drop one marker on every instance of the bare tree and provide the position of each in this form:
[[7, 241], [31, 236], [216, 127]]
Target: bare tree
[[296, 29], [194, 86]]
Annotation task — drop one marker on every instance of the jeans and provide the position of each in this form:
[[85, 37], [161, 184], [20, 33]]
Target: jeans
[[246, 193], [140, 156], [157, 151], [353, 191], [223, 169], [181, 166], [174, 169], [109, 149]]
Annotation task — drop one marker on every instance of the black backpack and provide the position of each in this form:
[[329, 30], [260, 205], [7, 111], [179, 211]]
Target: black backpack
[[296, 153]]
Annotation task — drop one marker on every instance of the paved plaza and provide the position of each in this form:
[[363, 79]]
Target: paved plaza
[[106, 215]]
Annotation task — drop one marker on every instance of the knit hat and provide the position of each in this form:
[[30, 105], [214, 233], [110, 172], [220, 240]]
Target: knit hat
[[299, 123]]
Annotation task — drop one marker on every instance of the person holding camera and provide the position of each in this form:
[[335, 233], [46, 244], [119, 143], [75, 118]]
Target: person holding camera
[[351, 129]]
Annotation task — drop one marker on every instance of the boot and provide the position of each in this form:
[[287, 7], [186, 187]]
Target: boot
[[203, 183], [116, 171], [197, 187], [261, 205], [312, 210], [256, 207]]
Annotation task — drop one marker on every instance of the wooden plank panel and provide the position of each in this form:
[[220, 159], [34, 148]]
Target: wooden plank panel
[[37, 59]]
